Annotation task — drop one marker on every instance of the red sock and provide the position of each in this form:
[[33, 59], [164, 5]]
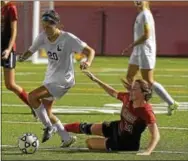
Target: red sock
[[74, 127], [24, 97]]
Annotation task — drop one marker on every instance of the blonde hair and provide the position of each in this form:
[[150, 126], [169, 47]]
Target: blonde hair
[[147, 4]]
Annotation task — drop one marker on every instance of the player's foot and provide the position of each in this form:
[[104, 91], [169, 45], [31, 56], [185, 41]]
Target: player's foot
[[172, 108], [48, 132], [74, 127], [68, 143]]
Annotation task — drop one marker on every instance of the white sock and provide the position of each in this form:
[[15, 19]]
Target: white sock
[[162, 93], [43, 116], [61, 131]]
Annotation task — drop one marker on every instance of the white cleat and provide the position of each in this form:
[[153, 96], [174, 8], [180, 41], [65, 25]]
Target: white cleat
[[68, 143], [172, 108]]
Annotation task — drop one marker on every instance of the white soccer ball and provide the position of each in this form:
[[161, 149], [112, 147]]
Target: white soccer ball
[[28, 143]]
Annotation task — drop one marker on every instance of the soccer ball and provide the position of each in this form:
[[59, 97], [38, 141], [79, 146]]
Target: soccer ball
[[28, 143]]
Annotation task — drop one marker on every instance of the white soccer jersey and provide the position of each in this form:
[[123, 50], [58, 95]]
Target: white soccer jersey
[[149, 46], [60, 68]]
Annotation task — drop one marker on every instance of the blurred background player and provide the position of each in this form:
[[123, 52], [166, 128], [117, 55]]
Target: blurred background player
[[123, 134], [59, 46], [144, 53], [8, 57]]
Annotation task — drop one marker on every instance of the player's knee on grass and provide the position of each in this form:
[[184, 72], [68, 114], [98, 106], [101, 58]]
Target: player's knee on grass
[[96, 143], [89, 143]]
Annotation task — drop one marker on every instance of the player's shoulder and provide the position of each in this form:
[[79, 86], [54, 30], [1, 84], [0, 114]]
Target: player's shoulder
[[123, 96], [70, 35], [11, 5], [146, 13], [148, 107], [42, 34]]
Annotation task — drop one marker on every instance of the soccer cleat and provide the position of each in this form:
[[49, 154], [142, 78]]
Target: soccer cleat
[[172, 108], [68, 143], [48, 132], [74, 127]]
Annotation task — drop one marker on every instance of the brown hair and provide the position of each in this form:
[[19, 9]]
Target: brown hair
[[146, 89]]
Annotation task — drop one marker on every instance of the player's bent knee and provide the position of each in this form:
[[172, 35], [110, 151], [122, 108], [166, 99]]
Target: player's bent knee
[[31, 98], [10, 87]]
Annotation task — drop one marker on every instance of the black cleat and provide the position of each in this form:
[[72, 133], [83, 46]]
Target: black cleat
[[48, 132]]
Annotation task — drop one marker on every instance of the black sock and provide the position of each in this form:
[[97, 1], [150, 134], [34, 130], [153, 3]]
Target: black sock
[[85, 128]]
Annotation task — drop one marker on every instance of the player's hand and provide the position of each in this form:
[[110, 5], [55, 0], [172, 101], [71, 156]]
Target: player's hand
[[84, 65], [126, 85], [126, 50], [21, 58], [5, 54], [143, 153], [90, 75]]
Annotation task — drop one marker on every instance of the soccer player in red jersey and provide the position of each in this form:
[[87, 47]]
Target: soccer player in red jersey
[[9, 19], [123, 134]]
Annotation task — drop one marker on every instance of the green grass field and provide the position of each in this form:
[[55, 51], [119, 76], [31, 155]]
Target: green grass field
[[17, 120]]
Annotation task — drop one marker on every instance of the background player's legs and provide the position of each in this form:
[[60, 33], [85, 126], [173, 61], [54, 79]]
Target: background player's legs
[[132, 71], [96, 143], [55, 121], [147, 74], [9, 78]]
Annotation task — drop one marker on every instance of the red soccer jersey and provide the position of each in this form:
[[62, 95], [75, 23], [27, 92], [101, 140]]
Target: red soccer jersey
[[8, 14], [134, 120]]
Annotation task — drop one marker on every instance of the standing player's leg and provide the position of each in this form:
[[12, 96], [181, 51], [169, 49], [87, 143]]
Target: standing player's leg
[[147, 66], [65, 137], [131, 73], [132, 68], [9, 78], [35, 101]]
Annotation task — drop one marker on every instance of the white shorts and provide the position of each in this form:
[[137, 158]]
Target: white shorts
[[57, 91], [143, 61]]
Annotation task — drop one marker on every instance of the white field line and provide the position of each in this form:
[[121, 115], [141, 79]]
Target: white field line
[[112, 106], [94, 94], [87, 150], [112, 69], [106, 74], [28, 122], [87, 83]]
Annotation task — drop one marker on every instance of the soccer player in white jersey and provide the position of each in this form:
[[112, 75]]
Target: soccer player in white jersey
[[144, 53], [59, 46]]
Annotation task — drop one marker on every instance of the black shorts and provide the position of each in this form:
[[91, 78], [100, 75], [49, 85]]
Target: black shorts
[[10, 62], [118, 141]]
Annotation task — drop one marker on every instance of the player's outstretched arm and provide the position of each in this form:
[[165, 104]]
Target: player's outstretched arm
[[155, 137], [90, 53], [24, 56], [111, 91]]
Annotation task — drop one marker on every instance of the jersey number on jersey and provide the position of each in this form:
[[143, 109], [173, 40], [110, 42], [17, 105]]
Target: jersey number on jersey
[[52, 55]]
